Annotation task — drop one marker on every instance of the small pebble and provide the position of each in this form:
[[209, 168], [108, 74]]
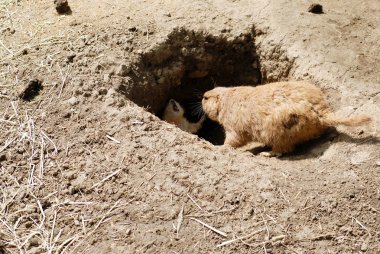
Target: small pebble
[[106, 77]]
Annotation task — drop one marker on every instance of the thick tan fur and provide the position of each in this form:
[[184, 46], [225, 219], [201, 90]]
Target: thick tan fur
[[174, 114], [279, 115]]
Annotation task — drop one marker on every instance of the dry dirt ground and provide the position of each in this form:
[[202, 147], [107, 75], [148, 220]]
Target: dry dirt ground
[[86, 166]]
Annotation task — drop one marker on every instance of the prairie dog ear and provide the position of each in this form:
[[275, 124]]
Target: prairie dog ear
[[174, 105]]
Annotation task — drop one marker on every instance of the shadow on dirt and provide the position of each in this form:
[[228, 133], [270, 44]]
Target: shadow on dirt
[[317, 147]]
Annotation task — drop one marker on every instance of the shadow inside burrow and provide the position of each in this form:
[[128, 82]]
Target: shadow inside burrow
[[189, 96], [191, 61]]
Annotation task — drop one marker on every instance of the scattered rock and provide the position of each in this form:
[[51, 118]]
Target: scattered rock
[[69, 175], [30, 90], [106, 77], [96, 68], [269, 251], [66, 114], [8, 31], [70, 58], [74, 23], [78, 183], [103, 91], [110, 101], [359, 157], [35, 250], [315, 8], [28, 224], [77, 82], [132, 29], [46, 204], [3, 157], [224, 30], [62, 6], [123, 70], [72, 101], [364, 246], [78, 92], [34, 241], [111, 92]]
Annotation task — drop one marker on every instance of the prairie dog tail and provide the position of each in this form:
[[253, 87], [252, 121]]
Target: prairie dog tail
[[348, 121]]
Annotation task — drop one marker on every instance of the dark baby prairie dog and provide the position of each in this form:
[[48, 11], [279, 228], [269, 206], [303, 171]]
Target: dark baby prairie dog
[[174, 114], [279, 115]]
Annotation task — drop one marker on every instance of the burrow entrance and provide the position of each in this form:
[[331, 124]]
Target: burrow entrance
[[188, 64]]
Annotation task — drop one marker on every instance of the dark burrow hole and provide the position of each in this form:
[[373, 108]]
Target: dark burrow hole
[[30, 90], [188, 64]]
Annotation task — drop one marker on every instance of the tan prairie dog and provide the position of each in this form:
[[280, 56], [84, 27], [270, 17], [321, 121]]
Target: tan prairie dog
[[174, 113], [279, 115]]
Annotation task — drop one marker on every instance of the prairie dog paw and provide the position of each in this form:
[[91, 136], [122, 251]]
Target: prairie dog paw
[[270, 154]]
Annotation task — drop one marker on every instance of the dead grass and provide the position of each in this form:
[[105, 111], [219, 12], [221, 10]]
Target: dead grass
[[32, 224]]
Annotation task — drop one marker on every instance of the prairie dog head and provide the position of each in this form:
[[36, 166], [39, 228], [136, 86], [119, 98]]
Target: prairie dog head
[[211, 102], [174, 114]]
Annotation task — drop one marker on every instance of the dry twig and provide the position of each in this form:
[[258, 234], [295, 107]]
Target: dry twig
[[210, 227]]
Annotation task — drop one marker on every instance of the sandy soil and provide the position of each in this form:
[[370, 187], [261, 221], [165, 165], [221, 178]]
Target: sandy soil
[[87, 167]]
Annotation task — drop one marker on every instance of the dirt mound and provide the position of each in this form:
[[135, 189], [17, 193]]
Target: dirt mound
[[86, 166]]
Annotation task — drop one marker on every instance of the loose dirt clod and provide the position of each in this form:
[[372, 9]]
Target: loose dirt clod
[[3, 157], [62, 6], [315, 8], [30, 90], [123, 70]]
